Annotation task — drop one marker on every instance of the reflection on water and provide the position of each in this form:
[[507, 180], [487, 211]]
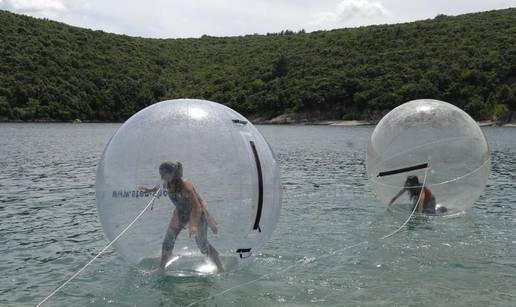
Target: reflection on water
[[50, 229]]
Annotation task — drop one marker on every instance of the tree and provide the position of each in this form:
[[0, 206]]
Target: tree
[[507, 96], [280, 67], [51, 70], [5, 109]]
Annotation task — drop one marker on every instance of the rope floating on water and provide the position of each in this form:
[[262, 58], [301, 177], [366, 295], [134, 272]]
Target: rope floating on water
[[321, 256], [102, 251], [151, 202]]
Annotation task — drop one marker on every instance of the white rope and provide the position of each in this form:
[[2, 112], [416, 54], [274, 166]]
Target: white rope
[[270, 274], [103, 250], [413, 210], [399, 153], [321, 256], [239, 285], [488, 160]]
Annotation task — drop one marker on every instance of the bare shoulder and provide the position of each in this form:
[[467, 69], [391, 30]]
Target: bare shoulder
[[188, 185]]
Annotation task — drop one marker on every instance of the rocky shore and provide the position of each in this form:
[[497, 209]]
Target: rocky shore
[[284, 119], [303, 119]]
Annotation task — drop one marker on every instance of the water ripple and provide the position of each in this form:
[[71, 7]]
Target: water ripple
[[50, 229]]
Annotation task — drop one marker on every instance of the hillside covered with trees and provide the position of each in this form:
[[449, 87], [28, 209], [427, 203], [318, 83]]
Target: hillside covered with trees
[[52, 71]]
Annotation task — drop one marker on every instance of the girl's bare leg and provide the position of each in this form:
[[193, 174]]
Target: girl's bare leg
[[214, 256], [205, 247], [174, 228]]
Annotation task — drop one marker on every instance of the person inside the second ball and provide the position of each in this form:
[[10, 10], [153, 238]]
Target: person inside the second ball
[[421, 196], [190, 212]]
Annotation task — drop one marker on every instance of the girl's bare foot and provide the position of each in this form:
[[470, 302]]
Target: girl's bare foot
[[220, 269]]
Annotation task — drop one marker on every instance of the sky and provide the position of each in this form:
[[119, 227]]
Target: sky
[[194, 18]]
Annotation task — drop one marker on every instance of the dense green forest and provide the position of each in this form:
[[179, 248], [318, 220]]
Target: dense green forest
[[52, 71]]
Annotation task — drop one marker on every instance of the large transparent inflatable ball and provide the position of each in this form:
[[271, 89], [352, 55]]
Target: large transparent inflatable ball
[[184, 151], [430, 144]]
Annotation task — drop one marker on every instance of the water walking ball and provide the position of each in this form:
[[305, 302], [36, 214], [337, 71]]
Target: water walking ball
[[439, 144], [230, 166]]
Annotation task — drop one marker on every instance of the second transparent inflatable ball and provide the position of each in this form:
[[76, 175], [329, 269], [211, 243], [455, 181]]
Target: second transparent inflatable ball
[[439, 144]]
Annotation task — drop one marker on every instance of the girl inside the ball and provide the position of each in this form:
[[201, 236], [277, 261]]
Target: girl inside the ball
[[421, 196], [190, 212]]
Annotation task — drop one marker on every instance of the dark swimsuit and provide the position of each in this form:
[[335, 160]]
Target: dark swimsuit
[[184, 209]]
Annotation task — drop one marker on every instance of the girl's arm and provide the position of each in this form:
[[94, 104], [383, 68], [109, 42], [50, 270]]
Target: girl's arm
[[195, 215], [148, 190], [211, 221], [421, 201], [396, 197]]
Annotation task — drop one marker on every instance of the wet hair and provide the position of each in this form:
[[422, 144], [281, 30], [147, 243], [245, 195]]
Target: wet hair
[[176, 169], [414, 187], [172, 167], [412, 181]]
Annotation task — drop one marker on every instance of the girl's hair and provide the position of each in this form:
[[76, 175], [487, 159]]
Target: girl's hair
[[414, 187], [172, 167], [176, 169], [412, 181]]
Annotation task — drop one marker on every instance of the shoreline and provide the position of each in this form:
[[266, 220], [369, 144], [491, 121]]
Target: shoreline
[[363, 123], [274, 121], [303, 119]]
